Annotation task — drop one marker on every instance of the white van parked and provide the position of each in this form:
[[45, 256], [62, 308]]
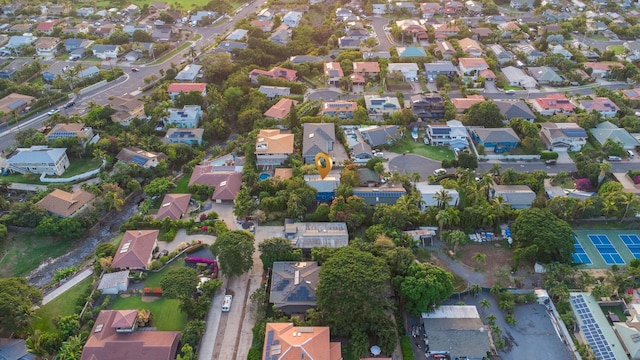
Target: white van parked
[[631, 154], [226, 304]]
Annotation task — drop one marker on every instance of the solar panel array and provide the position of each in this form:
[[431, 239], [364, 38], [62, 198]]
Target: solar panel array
[[591, 329], [633, 243], [302, 294], [272, 347], [579, 255], [139, 160], [389, 194], [606, 249]]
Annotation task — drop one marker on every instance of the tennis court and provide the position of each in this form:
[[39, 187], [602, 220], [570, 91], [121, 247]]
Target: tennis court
[[632, 242], [579, 255], [606, 249]]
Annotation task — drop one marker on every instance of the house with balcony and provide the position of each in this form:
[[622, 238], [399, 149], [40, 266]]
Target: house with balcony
[[413, 28], [380, 106], [602, 105], [69, 130], [427, 106], [452, 134], [187, 117], [46, 47], [471, 47], [184, 136], [553, 104], [563, 137], [470, 68], [498, 140], [453, 7], [38, 160], [409, 71], [273, 147], [333, 73], [340, 109], [317, 137]]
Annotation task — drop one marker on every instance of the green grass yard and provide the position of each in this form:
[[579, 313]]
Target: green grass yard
[[617, 49], [166, 313], [438, 153], [63, 305], [182, 186], [76, 167], [21, 254], [154, 278]]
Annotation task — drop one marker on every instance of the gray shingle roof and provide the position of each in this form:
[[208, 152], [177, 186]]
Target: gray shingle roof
[[317, 137]]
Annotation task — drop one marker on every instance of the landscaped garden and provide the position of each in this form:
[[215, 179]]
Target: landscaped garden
[[166, 313]]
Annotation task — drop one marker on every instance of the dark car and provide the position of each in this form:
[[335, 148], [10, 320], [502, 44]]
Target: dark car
[[69, 104]]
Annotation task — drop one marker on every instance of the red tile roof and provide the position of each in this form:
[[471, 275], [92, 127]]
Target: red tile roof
[[366, 67], [105, 343], [226, 183], [296, 343], [135, 249], [555, 101], [186, 87], [174, 206], [281, 109]]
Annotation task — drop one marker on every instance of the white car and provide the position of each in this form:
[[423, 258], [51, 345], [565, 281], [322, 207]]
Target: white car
[[440, 172], [53, 111]]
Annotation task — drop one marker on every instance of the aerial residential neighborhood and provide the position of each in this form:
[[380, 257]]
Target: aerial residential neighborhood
[[328, 180]]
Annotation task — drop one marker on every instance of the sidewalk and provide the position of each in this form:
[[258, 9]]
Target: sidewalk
[[67, 285]]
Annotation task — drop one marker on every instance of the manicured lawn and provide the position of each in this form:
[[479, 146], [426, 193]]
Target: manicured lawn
[[598, 37], [438, 153], [76, 167], [63, 305], [23, 253], [154, 278], [166, 313], [509, 87], [182, 187], [617, 49]]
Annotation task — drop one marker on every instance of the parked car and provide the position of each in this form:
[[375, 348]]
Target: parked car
[[550, 162], [440, 172], [509, 92], [135, 69], [53, 111], [69, 104]]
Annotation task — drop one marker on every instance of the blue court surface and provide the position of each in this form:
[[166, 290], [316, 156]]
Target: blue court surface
[[633, 243], [579, 255], [606, 249]]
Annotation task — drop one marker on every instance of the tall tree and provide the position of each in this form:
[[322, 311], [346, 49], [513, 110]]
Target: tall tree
[[351, 288], [486, 113], [16, 295], [179, 283], [234, 250], [277, 249], [543, 235], [424, 286]]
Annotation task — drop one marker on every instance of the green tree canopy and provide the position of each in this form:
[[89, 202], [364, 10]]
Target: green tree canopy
[[486, 113], [234, 250], [158, 187], [543, 236], [424, 286], [17, 298], [277, 249], [179, 283], [351, 290]]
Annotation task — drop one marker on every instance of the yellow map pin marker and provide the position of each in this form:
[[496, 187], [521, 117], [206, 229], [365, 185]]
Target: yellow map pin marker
[[323, 164]]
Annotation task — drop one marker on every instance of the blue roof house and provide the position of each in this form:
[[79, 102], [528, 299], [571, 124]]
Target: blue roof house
[[187, 117], [411, 51], [497, 139], [326, 188]]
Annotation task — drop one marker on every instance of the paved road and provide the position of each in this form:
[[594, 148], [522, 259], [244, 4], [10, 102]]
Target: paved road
[[67, 285], [384, 43]]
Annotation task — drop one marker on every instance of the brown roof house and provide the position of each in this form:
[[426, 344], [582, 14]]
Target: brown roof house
[[225, 179], [273, 147], [127, 109], [146, 159], [135, 250], [283, 341], [65, 204], [114, 337], [281, 109], [293, 286], [13, 102], [174, 206]]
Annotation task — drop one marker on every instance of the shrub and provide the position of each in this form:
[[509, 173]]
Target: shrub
[[155, 265], [584, 184], [548, 155], [407, 351], [636, 179]]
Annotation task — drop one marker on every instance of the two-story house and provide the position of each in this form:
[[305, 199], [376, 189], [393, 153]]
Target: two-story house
[[470, 47], [432, 70], [378, 106], [187, 117], [333, 73], [184, 136], [429, 10], [502, 55], [317, 138], [452, 134], [553, 104], [562, 137], [273, 147], [409, 71], [367, 69], [38, 160], [292, 19], [470, 68], [46, 47], [105, 52], [427, 106], [126, 109], [174, 89]]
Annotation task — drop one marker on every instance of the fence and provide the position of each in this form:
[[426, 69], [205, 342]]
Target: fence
[[83, 176], [92, 87], [509, 157]]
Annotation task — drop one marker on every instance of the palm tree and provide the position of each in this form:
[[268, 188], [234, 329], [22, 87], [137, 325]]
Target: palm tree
[[508, 177], [113, 200], [630, 201], [480, 259], [34, 345], [475, 290], [442, 198], [499, 208], [609, 207], [485, 304], [443, 218], [456, 238], [491, 319]]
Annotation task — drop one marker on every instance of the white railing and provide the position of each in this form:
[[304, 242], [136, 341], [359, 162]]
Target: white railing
[[83, 176]]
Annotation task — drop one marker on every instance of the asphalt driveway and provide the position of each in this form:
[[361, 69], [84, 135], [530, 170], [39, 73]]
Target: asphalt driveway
[[410, 163]]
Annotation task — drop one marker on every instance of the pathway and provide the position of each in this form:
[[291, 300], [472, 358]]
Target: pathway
[[472, 277], [67, 285]]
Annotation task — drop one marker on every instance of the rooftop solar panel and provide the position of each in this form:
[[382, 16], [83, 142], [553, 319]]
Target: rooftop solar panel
[[139, 160]]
